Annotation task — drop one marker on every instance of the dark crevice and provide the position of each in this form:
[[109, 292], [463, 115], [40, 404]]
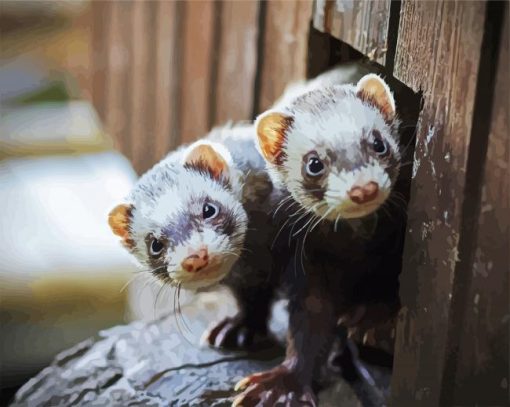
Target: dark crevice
[[391, 40], [262, 355], [257, 83]]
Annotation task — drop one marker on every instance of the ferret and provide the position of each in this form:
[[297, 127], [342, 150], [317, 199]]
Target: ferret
[[202, 216], [334, 153]]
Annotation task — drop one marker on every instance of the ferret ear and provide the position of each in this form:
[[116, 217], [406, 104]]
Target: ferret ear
[[119, 220], [272, 128], [207, 157], [373, 89]]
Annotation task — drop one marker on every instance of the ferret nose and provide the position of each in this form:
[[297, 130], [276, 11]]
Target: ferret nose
[[365, 193], [196, 261]]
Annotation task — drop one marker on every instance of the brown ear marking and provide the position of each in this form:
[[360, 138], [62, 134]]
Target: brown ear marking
[[372, 89], [204, 157], [119, 220], [271, 131]]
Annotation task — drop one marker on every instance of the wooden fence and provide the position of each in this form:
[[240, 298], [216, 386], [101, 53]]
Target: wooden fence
[[167, 71]]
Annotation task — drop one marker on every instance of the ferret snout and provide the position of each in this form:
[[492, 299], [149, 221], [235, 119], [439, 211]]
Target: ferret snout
[[364, 193], [196, 261]]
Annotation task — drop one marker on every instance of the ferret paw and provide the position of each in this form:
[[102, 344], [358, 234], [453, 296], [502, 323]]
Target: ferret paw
[[276, 387], [234, 333]]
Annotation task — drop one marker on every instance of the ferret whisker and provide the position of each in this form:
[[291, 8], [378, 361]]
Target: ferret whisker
[[282, 203], [280, 231], [288, 206], [157, 297], [336, 223], [299, 211], [183, 319], [303, 252], [322, 218], [245, 250], [305, 225], [132, 279], [307, 213], [176, 315]]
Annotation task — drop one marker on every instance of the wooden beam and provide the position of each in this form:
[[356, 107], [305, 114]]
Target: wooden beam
[[197, 58], [362, 24], [168, 31], [284, 48], [479, 372], [438, 54], [118, 105], [143, 84], [237, 61]]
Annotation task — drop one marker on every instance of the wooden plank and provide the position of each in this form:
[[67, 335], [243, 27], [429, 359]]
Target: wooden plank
[[142, 84], [438, 52], [284, 48], [483, 356], [363, 24], [101, 15], [166, 77], [118, 107], [237, 61], [195, 89]]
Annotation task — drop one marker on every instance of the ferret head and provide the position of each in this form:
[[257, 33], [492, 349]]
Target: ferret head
[[335, 149], [184, 221]]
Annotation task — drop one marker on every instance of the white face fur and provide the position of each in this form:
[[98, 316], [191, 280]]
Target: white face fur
[[335, 149], [185, 222]]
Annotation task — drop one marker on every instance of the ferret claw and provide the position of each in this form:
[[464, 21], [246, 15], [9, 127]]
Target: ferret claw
[[278, 385], [237, 401], [242, 384], [234, 333]]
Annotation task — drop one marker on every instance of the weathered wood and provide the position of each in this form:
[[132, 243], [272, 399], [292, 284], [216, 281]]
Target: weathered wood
[[161, 363], [101, 17], [284, 48], [362, 24], [483, 368], [438, 52], [195, 82], [166, 77], [237, 61], [142, 84], [118, 107]]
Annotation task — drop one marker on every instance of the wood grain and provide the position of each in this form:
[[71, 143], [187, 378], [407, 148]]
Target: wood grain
[[166, 77], [237, 61], [438, 53], [143, 84], [195, 83], [101, 14], [362, 24], [118, 106], [284, 48], [483, 368]]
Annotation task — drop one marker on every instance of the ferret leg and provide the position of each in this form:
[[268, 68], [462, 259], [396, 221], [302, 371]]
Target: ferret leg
[[311, 330], [249, 328]]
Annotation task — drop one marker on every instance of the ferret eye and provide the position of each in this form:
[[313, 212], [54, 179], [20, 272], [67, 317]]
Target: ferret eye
[[209, 211], [156, 247], [314, 166], [378, 144]]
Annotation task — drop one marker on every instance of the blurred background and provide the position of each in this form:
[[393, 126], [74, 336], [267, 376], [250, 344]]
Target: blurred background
[[93, 93]]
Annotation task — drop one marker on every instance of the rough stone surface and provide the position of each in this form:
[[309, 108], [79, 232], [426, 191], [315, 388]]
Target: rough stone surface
[[159, 363]]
